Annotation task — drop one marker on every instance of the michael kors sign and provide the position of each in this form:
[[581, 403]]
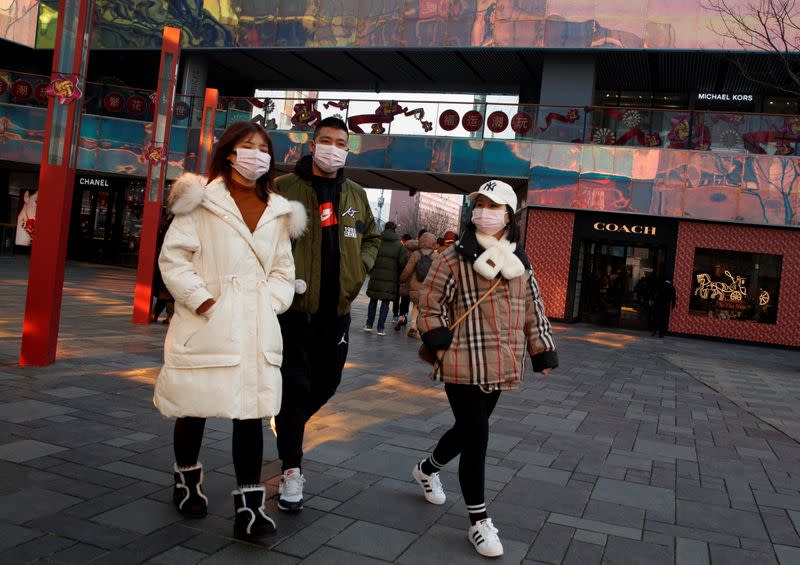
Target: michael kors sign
[[623, 228]]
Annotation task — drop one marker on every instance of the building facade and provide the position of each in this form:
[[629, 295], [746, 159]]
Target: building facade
[[643, 144]]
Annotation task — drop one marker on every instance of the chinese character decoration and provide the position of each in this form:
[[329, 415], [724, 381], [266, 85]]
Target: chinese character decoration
[[65, 88], [306, 114], [449, 120], [497, 122], [113, 101], [385, 114], [522, 122], [735, 291], [472, 121], [21, 90], [155, 154]]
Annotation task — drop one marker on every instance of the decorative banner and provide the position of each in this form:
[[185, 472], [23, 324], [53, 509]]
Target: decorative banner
[[113, 102], [266, 104], [3, 86], [40, 92], [385, 114], [65, 88], [603, 136], [730, 138], [570, 117], [154, 154], [136, 105], [21, 90], [341, 104], [522, 122], [497, 122], [472, 121], [679, 135], [306, 114], [181, 110], [448, 120]]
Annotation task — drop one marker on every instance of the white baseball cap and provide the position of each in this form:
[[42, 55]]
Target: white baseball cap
[[496, 191]]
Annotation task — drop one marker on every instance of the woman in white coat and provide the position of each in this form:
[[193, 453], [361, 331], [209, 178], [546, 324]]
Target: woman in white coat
[[227, 260]]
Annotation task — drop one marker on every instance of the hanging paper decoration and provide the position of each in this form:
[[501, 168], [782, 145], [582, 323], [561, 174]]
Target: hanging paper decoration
[[603, 136], [570, 117], [631, 118], [154, 154], [730, 138], [306, 114], [266, 104], [680, 133], [385, 114], [65, 88]]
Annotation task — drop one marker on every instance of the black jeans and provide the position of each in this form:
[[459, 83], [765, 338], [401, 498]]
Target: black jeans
[[405, 302], [247, 447], [468, 437], [314, 353]]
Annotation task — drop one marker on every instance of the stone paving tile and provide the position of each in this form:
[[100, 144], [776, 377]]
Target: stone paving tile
[[621, 439]]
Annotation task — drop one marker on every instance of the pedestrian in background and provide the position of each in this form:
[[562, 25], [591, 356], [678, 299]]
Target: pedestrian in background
[[384, 279], [405, 287], [487, 270], [664, 300], [227, 260], [415, 271]]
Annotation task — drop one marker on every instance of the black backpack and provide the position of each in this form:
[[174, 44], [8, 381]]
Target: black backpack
[[423, 266]]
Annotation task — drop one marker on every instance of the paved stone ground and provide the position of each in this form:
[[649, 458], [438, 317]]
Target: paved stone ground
[[620, 456]]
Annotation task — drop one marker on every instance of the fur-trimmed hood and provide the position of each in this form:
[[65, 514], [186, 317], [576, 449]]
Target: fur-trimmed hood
[[190, 191]]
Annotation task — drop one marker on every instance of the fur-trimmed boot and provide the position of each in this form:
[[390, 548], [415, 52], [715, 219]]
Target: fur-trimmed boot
[[188, 495], [251, 520]]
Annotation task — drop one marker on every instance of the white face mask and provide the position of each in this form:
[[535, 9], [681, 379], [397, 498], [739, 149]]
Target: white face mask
[[329, 158], [251, 163], [489, 220]]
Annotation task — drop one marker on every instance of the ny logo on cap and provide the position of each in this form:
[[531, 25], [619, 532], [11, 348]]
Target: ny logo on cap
[[489, 186]]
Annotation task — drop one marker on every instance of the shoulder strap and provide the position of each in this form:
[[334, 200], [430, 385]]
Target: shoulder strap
[[477, 303]]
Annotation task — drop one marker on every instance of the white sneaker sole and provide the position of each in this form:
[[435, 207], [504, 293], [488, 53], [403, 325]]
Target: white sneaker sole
[[485, 553]]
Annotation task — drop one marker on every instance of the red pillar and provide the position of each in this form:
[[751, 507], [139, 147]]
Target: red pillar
[[207, 130], [156, 172], [56, 178]]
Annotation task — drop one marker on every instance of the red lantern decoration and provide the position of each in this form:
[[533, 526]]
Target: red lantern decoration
[[497, 122], [21, 90], [113, 102], [472, 121], [522, 122], [137, 105], [40, 92], [448, 120]]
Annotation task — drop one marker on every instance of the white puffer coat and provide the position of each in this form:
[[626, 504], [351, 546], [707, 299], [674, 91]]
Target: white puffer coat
[[226, 362]]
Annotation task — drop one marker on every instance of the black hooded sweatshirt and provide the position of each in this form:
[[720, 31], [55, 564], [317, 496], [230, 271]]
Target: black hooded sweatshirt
[[328, 192]]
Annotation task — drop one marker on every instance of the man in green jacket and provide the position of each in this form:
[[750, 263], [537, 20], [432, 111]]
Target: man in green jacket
[[331, 261]]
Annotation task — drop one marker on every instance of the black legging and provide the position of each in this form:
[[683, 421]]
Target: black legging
[[248, 446], [469, 437]]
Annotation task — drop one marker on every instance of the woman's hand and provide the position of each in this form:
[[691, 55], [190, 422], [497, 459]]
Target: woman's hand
[[546, 372], [440, 354], [205, 306]]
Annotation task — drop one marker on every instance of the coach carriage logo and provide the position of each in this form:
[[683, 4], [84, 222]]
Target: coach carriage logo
[[763, 299], [735, 291]]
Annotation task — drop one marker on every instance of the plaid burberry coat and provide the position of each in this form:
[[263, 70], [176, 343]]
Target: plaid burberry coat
[[488, 348]]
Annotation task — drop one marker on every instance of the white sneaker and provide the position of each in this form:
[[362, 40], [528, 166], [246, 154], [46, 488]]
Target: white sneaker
[[367, 328], [483, 536], [290, 491], [381, 332], [431, 485]]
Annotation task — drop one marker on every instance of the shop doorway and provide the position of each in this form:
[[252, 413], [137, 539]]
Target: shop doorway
[[106, 222], [616, 283]]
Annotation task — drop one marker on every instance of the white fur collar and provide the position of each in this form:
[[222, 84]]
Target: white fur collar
[[189, 191], [499, 258]]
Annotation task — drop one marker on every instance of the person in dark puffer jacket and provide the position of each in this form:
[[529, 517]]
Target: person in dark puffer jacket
[[384, 280]]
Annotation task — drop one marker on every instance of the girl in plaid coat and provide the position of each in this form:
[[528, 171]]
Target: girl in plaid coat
[[486, 352]]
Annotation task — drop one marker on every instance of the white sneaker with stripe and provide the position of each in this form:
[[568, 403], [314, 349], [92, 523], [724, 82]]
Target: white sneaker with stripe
[[484, 538], [431, 485]]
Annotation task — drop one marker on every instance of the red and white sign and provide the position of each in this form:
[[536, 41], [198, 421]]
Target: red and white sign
[[472, 121], [327, 217], [522, 122], [136, 105], [497, 122], [448, 120], [21, 90], [113, 102]]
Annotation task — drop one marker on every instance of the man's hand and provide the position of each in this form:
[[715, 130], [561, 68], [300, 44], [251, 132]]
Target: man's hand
[[205, 306]]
